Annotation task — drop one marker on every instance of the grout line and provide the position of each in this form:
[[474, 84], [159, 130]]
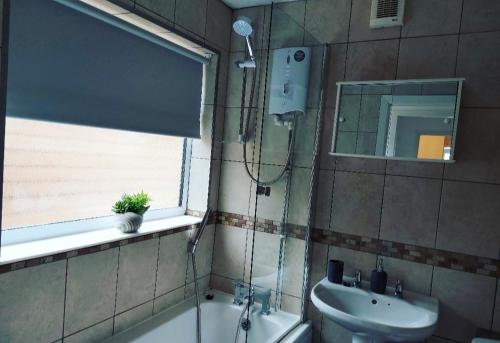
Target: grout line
[[304, 25], [495, 294], [206, 21], [213, 254], [459, 38], [87, 327], [461, 17], [132, 308], [186, 276], [245, 255], [439, 206], [358, 131], [156, 274], [332, 192], [398, 55], [175, 13], [432, 280], [382, 39], [418, 177], [65, 296], [321, 323], [382, 202], [116, 289], [106, 319]]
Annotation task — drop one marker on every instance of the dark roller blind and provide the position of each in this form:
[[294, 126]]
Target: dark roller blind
[[71, 63]]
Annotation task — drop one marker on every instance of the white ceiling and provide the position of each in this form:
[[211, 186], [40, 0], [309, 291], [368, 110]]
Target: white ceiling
[[250, 3]]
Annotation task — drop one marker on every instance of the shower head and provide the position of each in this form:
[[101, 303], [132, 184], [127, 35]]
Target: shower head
[[243, 26]]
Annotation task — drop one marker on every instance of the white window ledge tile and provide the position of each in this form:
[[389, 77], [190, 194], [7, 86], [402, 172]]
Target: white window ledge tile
[[46, 247]]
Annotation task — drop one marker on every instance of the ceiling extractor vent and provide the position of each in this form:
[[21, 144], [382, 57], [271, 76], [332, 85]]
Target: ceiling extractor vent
[[387, 13]]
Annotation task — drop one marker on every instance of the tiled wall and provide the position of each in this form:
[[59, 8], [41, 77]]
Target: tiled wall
[[448, 208], [90, 295]]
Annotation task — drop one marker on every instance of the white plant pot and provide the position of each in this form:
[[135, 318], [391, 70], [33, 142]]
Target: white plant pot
[[128, 222]]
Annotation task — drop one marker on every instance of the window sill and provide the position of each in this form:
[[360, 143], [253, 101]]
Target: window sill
[[46, 247]]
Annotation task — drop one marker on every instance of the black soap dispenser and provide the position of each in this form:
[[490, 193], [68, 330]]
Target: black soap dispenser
[[378, 281]]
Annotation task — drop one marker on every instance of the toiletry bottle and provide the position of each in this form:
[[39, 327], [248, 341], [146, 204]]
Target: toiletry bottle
[[378, 281], [335, 271]]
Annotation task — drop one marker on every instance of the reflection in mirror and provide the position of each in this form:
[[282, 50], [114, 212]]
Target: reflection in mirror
[[410, 120]]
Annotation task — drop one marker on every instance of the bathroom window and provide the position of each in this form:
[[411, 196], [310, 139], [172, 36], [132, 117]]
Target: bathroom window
[[79, 131], [60, 173]]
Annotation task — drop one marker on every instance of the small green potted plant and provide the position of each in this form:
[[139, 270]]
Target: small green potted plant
[[129, 211]]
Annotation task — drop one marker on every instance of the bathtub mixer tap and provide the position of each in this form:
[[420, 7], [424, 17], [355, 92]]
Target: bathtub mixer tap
[[243, 291]]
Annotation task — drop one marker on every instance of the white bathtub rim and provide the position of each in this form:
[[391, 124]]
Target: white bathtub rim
[[286, 320]]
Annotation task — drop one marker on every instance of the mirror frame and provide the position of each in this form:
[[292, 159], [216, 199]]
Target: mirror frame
[[460, 82]]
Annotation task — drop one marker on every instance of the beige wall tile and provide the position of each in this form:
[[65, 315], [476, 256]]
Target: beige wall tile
[[172, 262], [262, 264], [469, 217], [32, 303], [136, 274], [94, 333], [294, 267], [428, 17], [410, 210], [191, 15], [234, 191], [480, 15], [127, 319], [327, 21], [91, 276], [229, 249], [465, 303], [165, 301], [357, 199]]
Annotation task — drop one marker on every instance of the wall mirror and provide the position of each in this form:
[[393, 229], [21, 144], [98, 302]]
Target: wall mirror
[[402, 119]]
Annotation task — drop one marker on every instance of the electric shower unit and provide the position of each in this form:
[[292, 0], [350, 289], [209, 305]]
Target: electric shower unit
[[289, 83]]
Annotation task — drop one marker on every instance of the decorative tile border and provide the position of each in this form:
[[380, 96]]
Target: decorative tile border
[[200, 214], [435, 257], [100, 247], [260, 224], [89, 250]]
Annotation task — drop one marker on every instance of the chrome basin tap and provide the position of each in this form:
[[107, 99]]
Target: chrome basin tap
[[357, 279], [398, 289]]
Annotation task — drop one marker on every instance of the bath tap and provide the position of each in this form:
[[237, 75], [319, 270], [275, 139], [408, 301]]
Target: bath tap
[[263, 296], [243, 291]]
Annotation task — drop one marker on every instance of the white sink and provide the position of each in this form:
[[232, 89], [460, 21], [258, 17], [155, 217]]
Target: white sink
[[373, 317]]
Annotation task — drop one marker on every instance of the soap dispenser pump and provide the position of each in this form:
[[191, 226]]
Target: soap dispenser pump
[[378, 281]]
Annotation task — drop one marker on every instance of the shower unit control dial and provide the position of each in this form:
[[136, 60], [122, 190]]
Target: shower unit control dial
[[289, 80]]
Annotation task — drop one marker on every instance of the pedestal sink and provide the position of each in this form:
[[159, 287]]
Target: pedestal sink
[[373, 317]]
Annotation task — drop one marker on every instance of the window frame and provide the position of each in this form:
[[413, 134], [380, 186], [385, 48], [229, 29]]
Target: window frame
[[55, 230], [59, 229]]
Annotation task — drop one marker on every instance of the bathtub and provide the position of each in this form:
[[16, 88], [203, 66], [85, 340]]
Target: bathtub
[[219, 320]]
